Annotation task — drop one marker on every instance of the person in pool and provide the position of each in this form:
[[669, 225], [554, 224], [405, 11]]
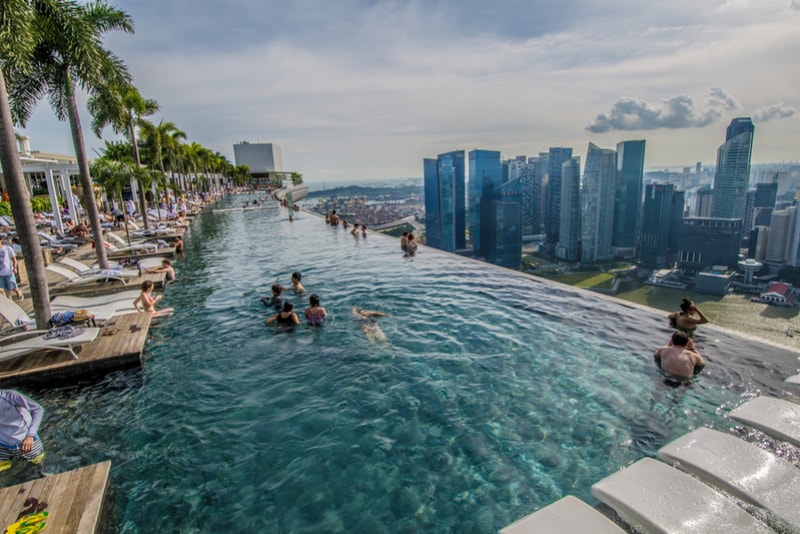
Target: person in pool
[[276, 300], [148, 302], [685, 319], [315, 314], [369, 326], [166, 267], [296, 285], [680, 357], [285, 318]]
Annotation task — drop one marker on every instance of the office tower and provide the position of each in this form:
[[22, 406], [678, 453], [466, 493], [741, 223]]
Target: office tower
[[569, 238], [764, 198], [597, 199], [537, 173], [261, 158], [521, 178], [757, 243], [781, 230], [704, 197], [485, 175], [504, 234], [708, 241], [552, 220], [733, 170], [445, 203], [628, 197], [662, 214]]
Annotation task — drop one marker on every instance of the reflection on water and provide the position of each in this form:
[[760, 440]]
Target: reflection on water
[[495, 394]]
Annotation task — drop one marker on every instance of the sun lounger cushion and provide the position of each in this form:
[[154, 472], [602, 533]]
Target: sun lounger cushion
[[569, 515], [741, 469], [793, 380], [776, 417], [654, 497]]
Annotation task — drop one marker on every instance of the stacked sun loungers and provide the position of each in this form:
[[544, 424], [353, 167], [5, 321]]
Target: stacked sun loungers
[[707, 481]]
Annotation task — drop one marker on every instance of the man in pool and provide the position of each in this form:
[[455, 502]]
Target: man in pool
[[20, 417], [369, 326], [680, 358]]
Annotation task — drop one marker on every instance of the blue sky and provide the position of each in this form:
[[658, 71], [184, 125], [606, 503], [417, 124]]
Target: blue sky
[[354, 89]]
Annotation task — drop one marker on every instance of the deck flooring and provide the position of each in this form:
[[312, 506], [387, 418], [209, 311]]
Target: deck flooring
[[121, 350], [73, 500]]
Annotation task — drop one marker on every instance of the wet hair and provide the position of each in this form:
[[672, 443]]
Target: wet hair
[[297, 276], [680, 339], [147, 284], [277, 289], [288, 306], [686, 304], [165, 261], [313, 300]]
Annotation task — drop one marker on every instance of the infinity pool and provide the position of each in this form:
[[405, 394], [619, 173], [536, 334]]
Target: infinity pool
[[494, 395]]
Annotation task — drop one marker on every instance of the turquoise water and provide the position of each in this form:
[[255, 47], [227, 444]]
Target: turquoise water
[[495, 394]]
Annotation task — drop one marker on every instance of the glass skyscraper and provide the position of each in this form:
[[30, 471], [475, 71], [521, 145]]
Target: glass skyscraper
[[733, 170], [597, 198], [552, 216], [628, 196], [569, 239], [485, 175], [445, 202], [661, 223]]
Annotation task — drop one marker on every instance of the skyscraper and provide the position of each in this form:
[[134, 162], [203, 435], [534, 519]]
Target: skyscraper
[[552, 220], [569, 239], [485, 175], [445, 203], [661, 223], [628, 196], [504, 234], [597, 198], [733, 170]]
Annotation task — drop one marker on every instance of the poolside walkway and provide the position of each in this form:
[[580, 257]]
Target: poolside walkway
[[72, 501]]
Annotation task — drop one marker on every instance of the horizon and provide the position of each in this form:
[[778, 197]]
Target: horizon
[[364, 89]]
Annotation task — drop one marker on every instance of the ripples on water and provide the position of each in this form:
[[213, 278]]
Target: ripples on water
[[495, 395]]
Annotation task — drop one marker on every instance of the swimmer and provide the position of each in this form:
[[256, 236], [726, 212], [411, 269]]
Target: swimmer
[[296, 285], [315, 314], [166, 267], [286, 317], [148, 302], [404, 242], [276, 300], [369, 326], [680, 357], [684, 319], [334, 220], [411, 245]]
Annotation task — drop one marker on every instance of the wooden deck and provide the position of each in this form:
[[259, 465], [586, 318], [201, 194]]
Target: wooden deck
[[121, 350], [73, 500]]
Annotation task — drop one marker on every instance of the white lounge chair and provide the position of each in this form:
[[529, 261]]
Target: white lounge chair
[[653, 497], [14, 315], [741, 469], [793, 380], [97, 276], [569, 515], [50, 241], [103, 307], [776, 417], [14, 346], [122, 246]]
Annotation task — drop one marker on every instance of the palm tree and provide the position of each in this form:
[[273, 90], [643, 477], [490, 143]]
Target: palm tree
[[17, 39], [172, 144], [69, 52], [122, 106]]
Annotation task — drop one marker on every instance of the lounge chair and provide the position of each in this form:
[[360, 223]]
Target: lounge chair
[[793, 380], [103, 307], [107, 274], [775, 417], [653, 497], [14, 315], [14, 346], [741, 469], [49, 241], [122, 246], [569, 515]]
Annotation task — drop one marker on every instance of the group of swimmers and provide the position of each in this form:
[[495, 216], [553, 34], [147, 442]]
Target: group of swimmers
[[680, 357], [408, 244], [333, 219], [286, 318]]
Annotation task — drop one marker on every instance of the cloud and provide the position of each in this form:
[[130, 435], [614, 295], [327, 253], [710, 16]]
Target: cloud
[[794, 4], [773, 111], [676, 112]]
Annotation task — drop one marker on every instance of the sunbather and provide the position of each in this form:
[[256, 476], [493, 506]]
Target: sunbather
[[148, 301]]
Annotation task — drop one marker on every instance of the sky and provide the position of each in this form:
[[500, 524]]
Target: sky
[[359, 89]]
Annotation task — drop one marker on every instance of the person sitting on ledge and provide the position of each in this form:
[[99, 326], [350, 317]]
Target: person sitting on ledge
[[680, 357]]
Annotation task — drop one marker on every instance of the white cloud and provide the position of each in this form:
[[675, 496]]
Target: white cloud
[[773, 111]]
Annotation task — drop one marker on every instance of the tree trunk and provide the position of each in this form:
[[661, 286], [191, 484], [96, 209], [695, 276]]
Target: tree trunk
[[142, 201], [23, 215], [86, 180]]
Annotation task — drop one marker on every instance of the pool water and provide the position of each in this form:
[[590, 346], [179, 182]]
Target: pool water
[[494, 394]]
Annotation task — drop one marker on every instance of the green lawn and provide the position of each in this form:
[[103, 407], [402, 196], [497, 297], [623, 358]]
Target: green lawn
[[599, 280]]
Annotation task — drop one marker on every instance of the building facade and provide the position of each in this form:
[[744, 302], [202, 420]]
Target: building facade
[[662, 214], [485, 175], [628, 196], [569, 240], [597, 199], [733, 170], [445, 201], [261, 158], [555, 160], [709, 241]]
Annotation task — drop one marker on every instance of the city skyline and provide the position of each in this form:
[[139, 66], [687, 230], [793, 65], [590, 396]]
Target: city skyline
[[365, 89]]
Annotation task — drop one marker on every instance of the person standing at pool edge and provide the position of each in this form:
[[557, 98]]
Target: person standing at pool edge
[[20, 418]]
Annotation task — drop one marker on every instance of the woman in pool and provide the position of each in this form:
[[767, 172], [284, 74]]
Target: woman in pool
[[369, 326], [148, 301], [286, 318], [315, 314], [684, 319], [296, 285]]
